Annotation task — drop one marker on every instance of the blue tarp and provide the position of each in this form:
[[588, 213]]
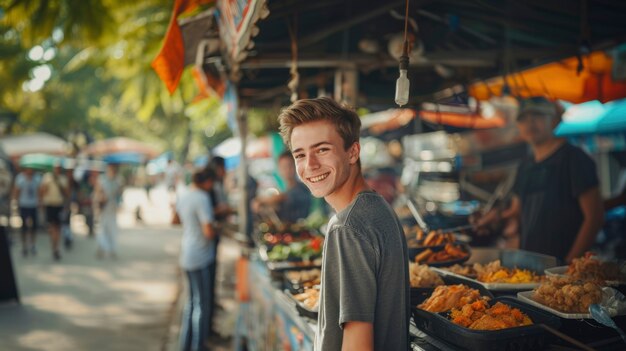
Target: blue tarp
[[593, 117]]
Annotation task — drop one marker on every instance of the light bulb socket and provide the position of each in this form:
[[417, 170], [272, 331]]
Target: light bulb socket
[[404, 62]]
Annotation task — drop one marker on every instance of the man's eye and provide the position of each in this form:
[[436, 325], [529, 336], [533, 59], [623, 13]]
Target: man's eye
[[298, 156], [322, 150]]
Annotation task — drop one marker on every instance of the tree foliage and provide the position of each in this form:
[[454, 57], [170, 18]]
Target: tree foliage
[[101, 81]]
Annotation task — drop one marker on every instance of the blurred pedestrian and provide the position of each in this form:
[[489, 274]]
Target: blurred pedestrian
[[197, 258], [107, 192], [26, 193], [85, 192], [54, 193], [66, 213]]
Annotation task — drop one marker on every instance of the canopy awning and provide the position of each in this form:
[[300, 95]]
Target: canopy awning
[[17, 145], [559, 80]]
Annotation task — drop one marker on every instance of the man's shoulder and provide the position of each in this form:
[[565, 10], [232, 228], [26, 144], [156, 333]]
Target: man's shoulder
[[368, 211]]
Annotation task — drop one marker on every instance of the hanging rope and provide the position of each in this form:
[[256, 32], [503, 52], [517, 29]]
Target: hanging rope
[[295, 77]]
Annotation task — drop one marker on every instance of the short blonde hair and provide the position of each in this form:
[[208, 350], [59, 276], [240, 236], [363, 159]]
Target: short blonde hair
[[303, 111]]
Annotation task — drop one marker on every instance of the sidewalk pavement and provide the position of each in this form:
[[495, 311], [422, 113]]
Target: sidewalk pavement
[[83, 303]]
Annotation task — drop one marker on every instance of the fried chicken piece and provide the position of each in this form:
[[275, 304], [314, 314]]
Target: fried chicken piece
[[447, 297]]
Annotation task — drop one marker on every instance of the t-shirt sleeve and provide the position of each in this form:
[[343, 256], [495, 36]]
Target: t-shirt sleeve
[[204, 210], [356, 271], [583, 172]]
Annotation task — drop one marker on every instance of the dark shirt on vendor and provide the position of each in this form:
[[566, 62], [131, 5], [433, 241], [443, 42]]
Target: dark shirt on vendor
[[296, 205], [549, 191]]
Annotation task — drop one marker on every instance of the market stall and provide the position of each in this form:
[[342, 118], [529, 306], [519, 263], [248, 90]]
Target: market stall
[[281, 310]]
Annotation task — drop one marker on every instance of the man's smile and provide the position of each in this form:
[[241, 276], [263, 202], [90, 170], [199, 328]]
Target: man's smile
[[318, 178]]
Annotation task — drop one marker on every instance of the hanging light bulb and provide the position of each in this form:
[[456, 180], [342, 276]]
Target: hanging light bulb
[[403, 84]]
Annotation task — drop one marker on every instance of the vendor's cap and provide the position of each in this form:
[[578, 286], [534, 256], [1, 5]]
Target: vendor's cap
[[537, 105]]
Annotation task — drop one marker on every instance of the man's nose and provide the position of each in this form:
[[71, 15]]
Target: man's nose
[[312, 162]]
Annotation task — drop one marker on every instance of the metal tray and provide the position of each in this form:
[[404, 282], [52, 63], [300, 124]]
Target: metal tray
[[488, 286], [561, 271], [279, 266], [531, 337], [526, 296]]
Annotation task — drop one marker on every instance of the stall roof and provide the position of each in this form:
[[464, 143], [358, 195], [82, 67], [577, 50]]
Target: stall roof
[[459, 42]]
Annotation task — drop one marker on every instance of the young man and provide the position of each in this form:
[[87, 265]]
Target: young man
[[197, 258], [364, 302], [557, 201]]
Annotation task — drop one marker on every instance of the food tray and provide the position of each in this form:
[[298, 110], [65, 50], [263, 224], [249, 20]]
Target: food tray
[[561, 271], [279, 266], [489, 286], [526, 296], [294, 286], [465, 247], [302, 310], [419, 295], [531, 337]]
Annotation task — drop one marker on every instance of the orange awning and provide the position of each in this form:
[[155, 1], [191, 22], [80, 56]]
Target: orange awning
[[461, 120], [560, 80]]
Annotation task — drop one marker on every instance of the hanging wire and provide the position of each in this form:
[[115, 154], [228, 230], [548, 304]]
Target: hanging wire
[[405, 46]]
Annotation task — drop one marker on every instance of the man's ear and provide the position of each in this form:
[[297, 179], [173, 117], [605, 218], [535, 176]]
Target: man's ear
[[354, 153]]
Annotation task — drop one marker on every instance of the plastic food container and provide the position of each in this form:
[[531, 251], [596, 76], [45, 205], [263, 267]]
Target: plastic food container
[[531, 337]]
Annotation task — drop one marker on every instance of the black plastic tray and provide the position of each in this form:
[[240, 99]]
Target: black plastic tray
[[532, 337], [412, 252], [419, 295], [302, 310]]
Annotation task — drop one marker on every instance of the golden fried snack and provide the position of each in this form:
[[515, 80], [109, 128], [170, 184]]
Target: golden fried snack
[[422, 256], [590, 268], [430, 238], [478, 316], [421, 276], [447, 297], [567, 294]]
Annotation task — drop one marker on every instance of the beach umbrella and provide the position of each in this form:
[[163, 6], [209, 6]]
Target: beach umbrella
[[121, 145], [43, 162]]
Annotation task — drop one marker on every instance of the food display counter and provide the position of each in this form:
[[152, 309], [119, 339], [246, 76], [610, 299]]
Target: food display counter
[[275, 321]]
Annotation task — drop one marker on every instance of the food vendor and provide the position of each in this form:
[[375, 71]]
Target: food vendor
[[556, 196], [295, 202]]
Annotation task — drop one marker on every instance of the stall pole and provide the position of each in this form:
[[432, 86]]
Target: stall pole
[[244, 206]]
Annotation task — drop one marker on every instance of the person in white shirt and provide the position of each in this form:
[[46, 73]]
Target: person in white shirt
[[54, 191]]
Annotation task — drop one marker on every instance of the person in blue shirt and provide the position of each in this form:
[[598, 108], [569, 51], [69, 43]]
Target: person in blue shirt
[[197, 258], [26, 192]]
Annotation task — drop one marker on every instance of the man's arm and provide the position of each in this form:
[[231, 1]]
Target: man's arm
[[593, 212], [208, 231], [358, 336]]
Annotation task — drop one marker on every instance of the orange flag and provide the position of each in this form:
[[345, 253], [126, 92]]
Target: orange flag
[[170, 62]]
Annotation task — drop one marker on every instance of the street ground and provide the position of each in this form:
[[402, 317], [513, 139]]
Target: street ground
[[128, 303]]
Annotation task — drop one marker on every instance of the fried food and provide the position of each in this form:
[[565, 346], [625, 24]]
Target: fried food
[[300, 277], [567, 294], [421, 276], [447, 297], [493, 272], [467, 271], [417, 238], [478, 315], [590, 268], [449, 252], [309, 298]]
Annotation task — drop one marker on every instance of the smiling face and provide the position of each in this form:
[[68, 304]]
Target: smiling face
[[322, 162]]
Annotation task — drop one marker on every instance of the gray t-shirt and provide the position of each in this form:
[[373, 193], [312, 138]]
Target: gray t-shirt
[[365, 275], [194, 209]]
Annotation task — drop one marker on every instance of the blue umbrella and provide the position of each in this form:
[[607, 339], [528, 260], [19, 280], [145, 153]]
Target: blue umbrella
[[132, 158]]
